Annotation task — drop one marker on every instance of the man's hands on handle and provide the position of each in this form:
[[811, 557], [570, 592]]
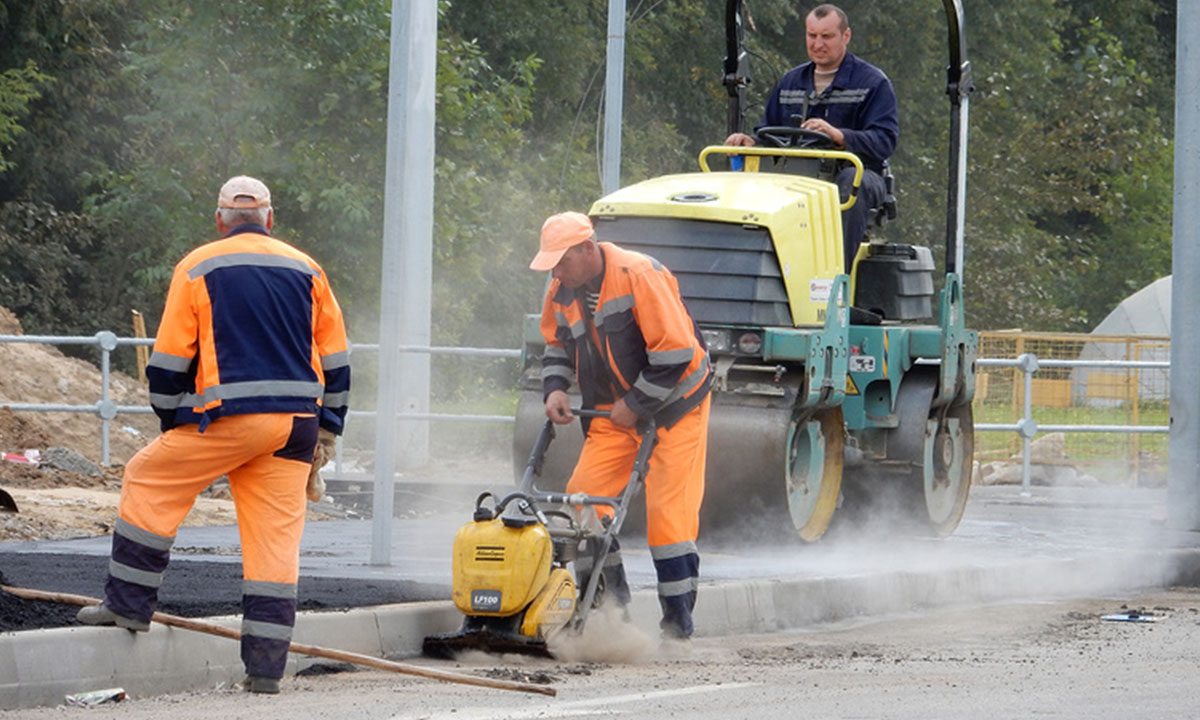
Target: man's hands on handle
[[817, 124], [622, 415], [558, 409], [740, 139], [324, 452]]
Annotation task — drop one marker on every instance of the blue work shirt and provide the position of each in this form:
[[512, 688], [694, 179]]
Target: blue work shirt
[[860, 102]]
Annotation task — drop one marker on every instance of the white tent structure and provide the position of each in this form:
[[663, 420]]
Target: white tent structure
[[1146, 312], [1137, 329]]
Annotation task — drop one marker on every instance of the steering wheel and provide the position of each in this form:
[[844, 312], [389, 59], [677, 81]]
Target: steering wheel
[[786, 136]]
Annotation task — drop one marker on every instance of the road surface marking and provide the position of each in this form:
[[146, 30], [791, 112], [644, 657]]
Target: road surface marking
[[572, 708]]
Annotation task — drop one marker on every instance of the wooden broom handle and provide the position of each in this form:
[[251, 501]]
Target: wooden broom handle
[[299, 648]]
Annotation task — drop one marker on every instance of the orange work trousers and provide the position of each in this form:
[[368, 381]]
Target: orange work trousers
[[162, 481], [674, 481]]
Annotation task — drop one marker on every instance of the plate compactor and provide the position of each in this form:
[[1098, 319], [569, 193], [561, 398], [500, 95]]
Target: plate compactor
[[513, 563]]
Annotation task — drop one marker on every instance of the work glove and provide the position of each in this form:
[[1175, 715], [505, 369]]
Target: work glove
[[324, 452]]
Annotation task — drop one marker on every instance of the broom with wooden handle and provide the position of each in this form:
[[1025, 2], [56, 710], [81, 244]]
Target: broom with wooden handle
[[299, 648]]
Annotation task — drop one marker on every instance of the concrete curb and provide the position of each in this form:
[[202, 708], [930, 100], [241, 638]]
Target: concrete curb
[[40, 667]]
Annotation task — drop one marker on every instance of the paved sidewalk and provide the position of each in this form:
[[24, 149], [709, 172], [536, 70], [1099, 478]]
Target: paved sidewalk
[[1058, 542]]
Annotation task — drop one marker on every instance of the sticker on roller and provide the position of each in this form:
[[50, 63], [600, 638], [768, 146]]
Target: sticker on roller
[[485, 600], [862, 363], [819, 290]]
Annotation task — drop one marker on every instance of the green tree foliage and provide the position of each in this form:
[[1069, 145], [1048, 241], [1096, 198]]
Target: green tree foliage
[[75, 128], [147, 106], [63, 267], [18, 87], [48, 276], [295, 93], [1068, 130]]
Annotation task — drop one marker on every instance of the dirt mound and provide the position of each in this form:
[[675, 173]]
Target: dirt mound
[[9, 324], [57, 503], [37, 373]]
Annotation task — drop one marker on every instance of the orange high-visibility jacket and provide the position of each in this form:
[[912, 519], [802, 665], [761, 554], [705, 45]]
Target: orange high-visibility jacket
[[250, 326], [645, 346]]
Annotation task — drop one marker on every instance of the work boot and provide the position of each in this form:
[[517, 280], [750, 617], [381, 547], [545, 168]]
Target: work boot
[[260, 684], [101, 615], [674, 643]]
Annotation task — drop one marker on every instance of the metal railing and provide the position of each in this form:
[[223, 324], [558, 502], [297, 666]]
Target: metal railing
[[1026, 427], [104, 408], [107, 410]]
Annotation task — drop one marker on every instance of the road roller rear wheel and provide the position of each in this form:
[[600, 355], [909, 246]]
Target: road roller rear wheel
[[816, 444], [938, 446], [945, 470]]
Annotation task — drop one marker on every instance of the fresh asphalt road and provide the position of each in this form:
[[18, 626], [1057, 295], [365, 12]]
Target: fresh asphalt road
[[1057, 543], [1050, 659]]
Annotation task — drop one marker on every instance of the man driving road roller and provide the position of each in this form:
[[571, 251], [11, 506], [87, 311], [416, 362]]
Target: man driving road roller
[[846, 98]]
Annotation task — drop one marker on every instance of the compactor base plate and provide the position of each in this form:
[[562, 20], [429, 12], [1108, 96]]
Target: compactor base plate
[[484, 639]]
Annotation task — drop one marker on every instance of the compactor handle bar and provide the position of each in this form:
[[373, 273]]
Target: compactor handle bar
[[533, 468]]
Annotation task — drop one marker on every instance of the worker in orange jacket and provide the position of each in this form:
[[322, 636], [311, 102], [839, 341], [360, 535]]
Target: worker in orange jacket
[[613, 319], [250, 378]]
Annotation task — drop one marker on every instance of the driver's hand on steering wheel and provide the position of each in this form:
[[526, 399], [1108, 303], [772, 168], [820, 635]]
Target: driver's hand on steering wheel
[[837, 136], [740, 139]]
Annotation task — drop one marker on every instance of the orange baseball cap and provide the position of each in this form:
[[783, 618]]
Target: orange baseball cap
[[560, 233], [244, 192]]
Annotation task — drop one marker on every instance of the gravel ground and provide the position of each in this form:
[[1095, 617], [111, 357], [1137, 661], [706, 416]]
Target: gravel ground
[[1056, 659]]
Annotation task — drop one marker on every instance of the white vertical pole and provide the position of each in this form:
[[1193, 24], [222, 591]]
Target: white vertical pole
[[404, 305], [614, 94], [1183, 467]]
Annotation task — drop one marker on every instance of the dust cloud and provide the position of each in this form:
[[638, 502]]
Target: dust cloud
[[1059, 541], [607, 637]]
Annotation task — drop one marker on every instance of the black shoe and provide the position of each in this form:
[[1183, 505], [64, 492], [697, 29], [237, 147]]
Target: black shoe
[[259, 684], [101, 615]]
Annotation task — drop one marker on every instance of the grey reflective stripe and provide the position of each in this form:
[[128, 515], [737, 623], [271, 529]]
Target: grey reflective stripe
[[254, 388], [834, 97], [554, 351], [577, 330], [335, 360], [670, 357], [845, 97], [682, 388], [287, 591], [336, 400], [168, 402], [170, 362], [690, 382], [612, 307], [254, 259], [678, 587], [142, 537], [133, 575], [270, 631], [233, 391], [793, 97], [657, 392], [549, 371], [674, 550]]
